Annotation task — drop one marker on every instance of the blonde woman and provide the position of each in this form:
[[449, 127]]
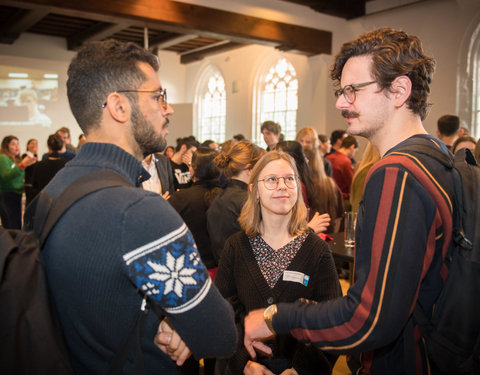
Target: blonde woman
[[276, 258], [370, 157], [236, 164], [327, 197]]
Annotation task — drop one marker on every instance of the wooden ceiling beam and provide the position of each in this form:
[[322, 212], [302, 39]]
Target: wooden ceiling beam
[[20, 23], [99, 31], [167, 42], [186, 18], [347, 9], [200, 53]]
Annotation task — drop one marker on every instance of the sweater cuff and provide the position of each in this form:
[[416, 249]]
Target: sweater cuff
[[280, 319]]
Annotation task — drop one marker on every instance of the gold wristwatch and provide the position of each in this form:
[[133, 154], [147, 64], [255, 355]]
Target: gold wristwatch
[[268, 315]]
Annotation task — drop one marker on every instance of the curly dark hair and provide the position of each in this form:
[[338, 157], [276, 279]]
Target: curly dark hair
[[100, 68], [394, 53]]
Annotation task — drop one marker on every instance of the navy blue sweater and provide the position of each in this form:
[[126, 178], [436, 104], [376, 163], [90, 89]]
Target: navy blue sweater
[[110, 249]]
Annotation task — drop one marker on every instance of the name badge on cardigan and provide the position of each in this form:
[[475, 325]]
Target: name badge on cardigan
[[296, 277]]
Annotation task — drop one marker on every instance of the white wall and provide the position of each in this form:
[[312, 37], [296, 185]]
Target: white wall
[[443, 26], [440, 24]]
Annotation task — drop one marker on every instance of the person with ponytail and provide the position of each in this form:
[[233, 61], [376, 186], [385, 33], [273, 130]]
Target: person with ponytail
[[222, 217]]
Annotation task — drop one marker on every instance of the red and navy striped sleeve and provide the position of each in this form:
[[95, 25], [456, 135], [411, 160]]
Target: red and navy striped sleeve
[[400, 230]]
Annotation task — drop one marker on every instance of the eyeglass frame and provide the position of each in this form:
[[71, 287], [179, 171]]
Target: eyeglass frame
[[353, 87], [277, 180], [162, 97]]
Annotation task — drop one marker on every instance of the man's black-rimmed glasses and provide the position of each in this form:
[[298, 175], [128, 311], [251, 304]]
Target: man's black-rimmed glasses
[[349, 91], [162, 95]]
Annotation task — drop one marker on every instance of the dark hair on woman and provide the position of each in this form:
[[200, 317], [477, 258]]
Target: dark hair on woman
[[394, 53], [202, 164], [204, 169], [55, 143], [4, 149], [239, 137], [30, 141]]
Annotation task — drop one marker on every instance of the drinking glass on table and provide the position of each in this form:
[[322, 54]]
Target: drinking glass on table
[[350, 221]]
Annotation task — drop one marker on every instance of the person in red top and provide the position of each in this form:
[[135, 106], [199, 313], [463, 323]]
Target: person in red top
[[342, 164]]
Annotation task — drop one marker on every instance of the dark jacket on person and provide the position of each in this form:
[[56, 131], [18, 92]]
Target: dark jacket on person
[[222, 216], [44, 171], [192, 206], [165, 173], [240, 280]]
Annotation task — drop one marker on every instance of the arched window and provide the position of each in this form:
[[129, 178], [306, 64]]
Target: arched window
[[210, 104], [476, 94], [277, 99], [468, 79]]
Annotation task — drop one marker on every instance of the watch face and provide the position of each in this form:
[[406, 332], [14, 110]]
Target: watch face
[[268, 314], [272, 309]]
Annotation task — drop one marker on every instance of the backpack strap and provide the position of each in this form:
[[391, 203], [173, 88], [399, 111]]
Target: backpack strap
[[466, 168], [44, 213], [80, 188]]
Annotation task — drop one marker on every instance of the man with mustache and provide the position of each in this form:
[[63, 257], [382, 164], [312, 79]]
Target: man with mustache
[[404, 224], [116, 246]]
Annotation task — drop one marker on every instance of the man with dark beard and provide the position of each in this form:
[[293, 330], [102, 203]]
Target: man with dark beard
[[118, 245]]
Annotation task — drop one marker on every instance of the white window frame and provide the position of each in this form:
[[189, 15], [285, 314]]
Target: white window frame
[[468, 80], [200, 118], [286, 118]]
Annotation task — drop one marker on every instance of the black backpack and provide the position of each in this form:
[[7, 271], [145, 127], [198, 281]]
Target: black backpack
[[452, 334], [31, 339]]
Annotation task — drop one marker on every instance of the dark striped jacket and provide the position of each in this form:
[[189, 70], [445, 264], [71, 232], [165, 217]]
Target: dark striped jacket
[[404, 227]]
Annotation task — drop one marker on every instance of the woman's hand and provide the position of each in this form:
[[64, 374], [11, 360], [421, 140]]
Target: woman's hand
[[289, 371], [169, 342], [319, 223], [166, 195], [27, 161], [255, 368]]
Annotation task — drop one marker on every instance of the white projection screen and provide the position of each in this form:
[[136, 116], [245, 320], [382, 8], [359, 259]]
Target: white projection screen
[[33, 101]]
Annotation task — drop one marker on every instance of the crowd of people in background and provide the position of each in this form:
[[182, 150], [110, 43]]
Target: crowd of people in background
[[254, 215], [28, 173], [332, 166]]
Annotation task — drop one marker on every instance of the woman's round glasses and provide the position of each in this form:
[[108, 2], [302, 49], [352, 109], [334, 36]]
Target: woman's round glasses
[[271, 182]]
